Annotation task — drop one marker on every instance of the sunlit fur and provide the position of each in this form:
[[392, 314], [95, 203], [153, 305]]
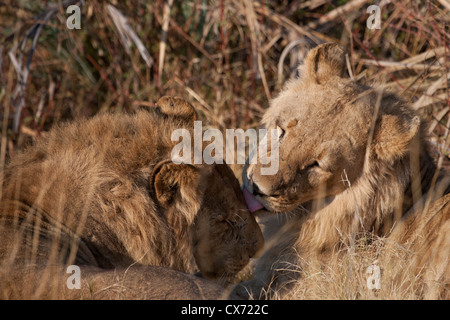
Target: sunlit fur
[[346, 171], [103, 192]]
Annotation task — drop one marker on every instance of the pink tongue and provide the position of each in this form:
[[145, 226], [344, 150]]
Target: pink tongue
[[252, 204]]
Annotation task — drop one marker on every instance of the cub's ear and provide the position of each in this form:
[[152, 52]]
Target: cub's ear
[[177, 185], [393, 135], [176, 108], [324, 62]]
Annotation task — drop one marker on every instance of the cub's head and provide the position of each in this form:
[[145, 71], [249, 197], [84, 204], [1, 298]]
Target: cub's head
[[206, 201], [331, 132]]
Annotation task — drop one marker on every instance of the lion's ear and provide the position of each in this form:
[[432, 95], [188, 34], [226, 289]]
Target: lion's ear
[[177, 108], [324, 62], [393, 136], [177, 185]]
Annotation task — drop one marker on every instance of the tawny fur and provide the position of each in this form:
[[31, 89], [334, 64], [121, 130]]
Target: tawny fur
[[136, 282], [104, 192], [353, 162]]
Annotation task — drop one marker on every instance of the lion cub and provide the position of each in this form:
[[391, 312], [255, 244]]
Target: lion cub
[[104, 192]]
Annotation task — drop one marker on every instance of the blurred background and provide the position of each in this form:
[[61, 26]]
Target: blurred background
[[228, 58]]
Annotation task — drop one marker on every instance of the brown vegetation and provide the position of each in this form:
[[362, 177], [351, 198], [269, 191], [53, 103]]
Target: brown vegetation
[[227, 57]]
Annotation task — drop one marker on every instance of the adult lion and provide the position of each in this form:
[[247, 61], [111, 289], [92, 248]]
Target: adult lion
[[352, 162], [104, 193]]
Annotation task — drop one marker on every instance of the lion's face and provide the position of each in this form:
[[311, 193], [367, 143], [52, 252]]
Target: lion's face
[[312, 163], [227, 234], [325, 123], [208, 198]]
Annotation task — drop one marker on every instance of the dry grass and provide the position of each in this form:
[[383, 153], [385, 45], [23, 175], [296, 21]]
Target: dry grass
[[350, 275], [353, 272], [227, 57]]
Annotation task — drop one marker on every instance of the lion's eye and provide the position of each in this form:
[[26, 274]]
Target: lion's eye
[[315, 164], [281, 132]]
